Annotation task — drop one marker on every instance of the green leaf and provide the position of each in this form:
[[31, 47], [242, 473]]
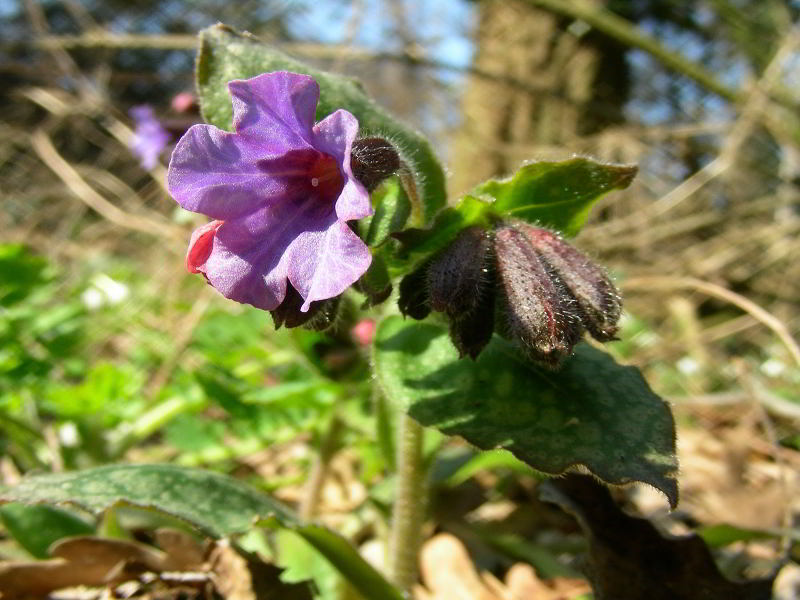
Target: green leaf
[[392, 210], [723, 534], [226, 54], [417, 245], [361, 575], [37, 527], [555, 194], [591, 412], [21, 272], [215, 504], [487, 461], [301, 562]]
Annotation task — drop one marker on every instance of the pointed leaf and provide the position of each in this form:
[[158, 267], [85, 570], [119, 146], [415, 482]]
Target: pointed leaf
[[215, 504], [592, 411], [226, 54], [557, 195]]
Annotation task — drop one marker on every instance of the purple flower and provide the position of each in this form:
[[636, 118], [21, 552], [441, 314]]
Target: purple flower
[[149, 137], [281, 191]]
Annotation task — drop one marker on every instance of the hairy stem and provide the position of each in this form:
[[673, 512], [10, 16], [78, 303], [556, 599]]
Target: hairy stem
[[409, 184], [409, 505]]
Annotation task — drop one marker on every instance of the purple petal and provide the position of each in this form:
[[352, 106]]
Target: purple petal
[[225, 175], [353, 202], [325, 263], [253, 256], [275, 108], [335, 135]]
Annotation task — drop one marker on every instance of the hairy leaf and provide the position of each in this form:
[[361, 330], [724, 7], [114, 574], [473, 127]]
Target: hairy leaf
[[591, 412], [557, 195], [215, 504]]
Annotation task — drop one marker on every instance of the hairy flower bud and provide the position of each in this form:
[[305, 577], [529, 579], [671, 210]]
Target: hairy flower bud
[[462, 274], [541, 315], [598, 300], [470, 334], [373, 159], [413, 301]]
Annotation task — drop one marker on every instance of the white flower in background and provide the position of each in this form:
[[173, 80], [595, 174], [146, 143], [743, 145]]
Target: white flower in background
[[772, 367], [104, 290], [68, 435], [687, 365]]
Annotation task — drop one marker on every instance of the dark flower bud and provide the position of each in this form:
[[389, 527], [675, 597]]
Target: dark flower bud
[[320, 315], [598, 300], [372, 160], [471, 333], [462, 274], [413, 301], [541, 315]]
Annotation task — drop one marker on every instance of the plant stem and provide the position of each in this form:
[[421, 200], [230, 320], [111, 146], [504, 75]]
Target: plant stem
[[409, 505], [319, 470]]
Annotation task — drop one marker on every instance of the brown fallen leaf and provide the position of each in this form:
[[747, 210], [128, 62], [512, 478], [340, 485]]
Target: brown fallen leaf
[[83, 560], [239, 575], [184, 552], [448, 574], [630, 560], [523, 584], [105, 553]]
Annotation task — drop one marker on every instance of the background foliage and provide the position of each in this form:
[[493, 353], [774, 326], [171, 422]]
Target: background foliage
[[109, 352]]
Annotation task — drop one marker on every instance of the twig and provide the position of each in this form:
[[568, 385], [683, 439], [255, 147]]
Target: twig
[[181, 338], [44, 148], [338, 53], [717, 291], [622, 30], [753, 106]]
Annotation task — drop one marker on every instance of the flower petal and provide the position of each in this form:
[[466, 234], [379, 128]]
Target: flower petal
[[253, 256], [325, 263], [223, 175], [249, 260], [335, 135], [353, 202], [277, 108], [200, 246]]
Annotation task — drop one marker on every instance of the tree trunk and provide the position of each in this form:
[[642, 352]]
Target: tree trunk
[[553, 81]]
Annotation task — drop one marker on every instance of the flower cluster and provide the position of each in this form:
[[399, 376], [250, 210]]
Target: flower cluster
[[524, 281], [281, 191]]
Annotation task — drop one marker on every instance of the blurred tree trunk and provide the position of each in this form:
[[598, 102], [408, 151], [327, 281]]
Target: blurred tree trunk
[[577, 82]]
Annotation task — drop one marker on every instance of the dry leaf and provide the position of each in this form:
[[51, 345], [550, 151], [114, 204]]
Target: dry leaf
[[630, 560]]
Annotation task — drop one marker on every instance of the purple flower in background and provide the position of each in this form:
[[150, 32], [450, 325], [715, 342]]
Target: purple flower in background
[[281, 191], [149, 137]]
